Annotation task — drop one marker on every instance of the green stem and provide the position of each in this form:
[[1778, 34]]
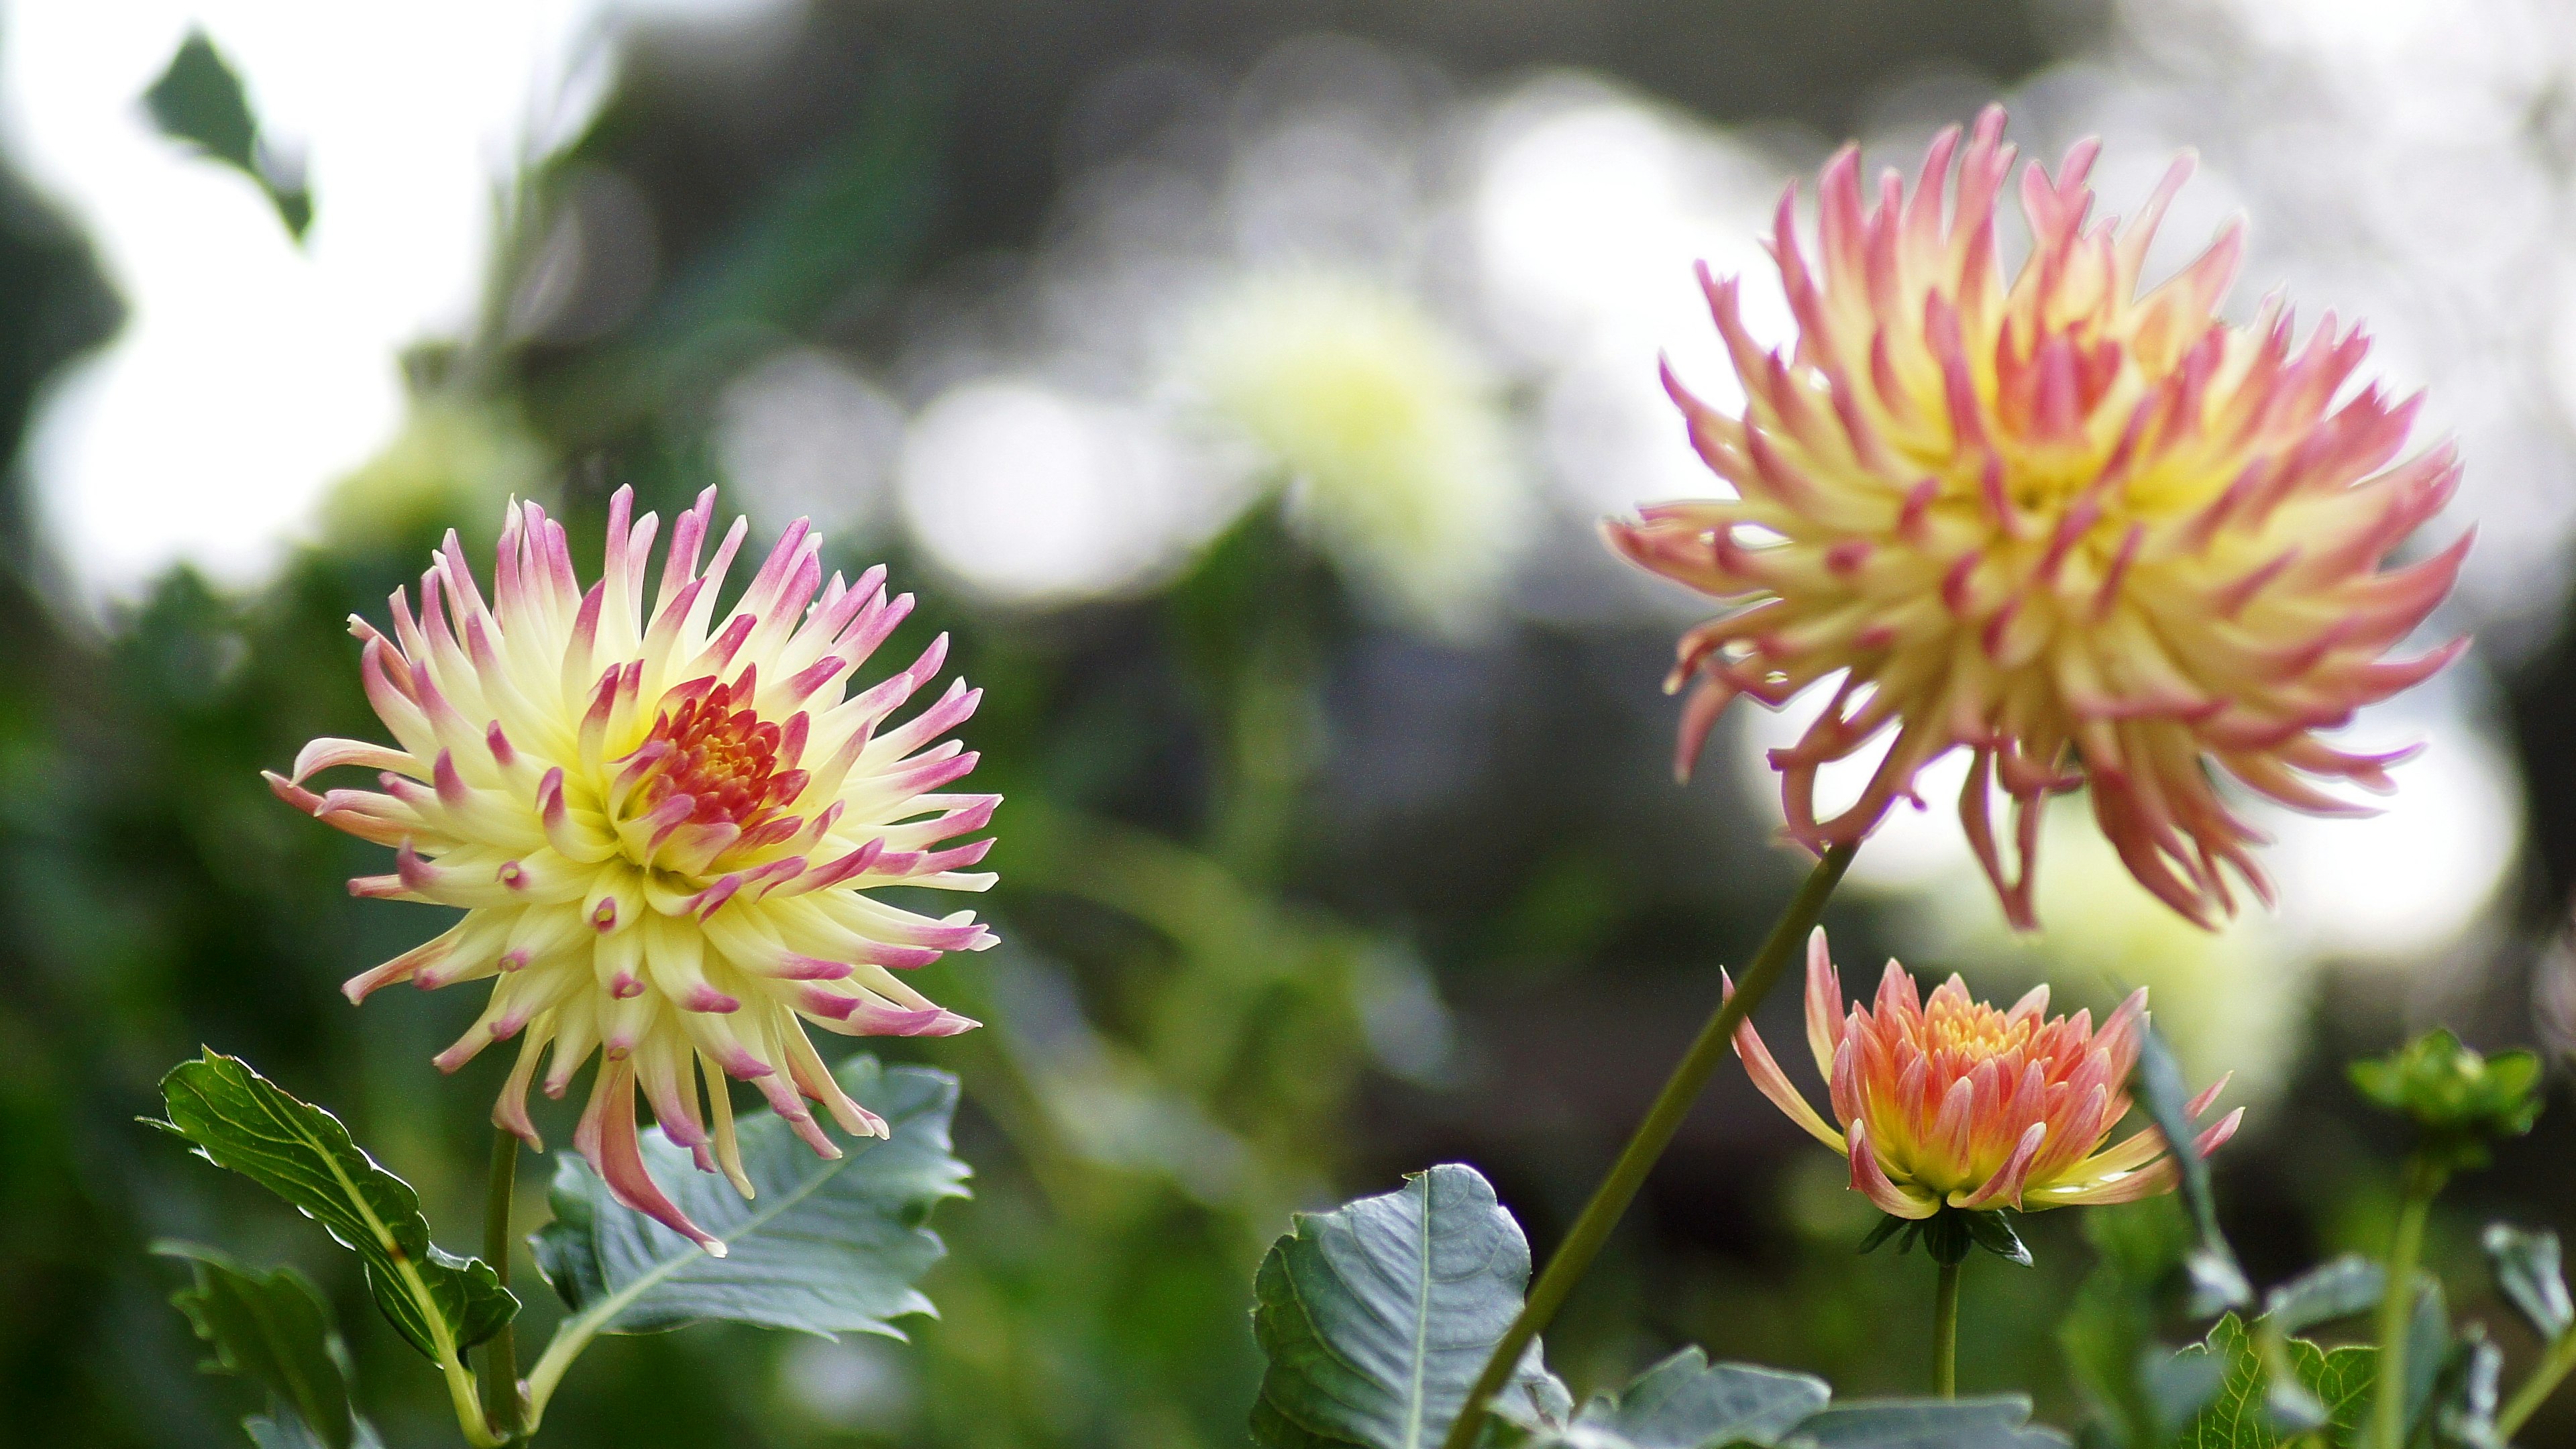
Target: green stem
[[1945, 1332], [1583, 1241], [2397, 1303], [500, 1378], [2535, 1390]]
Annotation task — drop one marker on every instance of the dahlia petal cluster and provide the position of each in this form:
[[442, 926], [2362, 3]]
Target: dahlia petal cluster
[[663, 826], [2094, 537], [1951, 1102]]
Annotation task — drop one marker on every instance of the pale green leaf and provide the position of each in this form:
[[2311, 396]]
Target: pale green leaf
[[1378, 1315], [825, 1246], [1684, 1402], [2001, 1421]]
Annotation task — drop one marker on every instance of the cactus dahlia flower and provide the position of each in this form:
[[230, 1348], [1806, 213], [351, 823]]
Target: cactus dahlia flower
[[662, 825], [1951, 1102], [2093, 537]]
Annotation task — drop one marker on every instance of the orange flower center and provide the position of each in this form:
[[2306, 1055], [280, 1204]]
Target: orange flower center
[[1975, 1031], [726, 761]]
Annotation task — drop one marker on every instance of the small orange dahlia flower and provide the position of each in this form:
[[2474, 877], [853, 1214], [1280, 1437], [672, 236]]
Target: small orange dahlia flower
[[663, 828], [2094, 537], [1950, 1102]]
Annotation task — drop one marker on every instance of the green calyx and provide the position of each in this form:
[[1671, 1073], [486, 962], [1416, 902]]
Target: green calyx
[[1948, 1234], [2460, 1100]]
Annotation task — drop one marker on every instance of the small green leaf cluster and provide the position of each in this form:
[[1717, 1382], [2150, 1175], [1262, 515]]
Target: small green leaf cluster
[[2459, 1099], [1376, 1317]]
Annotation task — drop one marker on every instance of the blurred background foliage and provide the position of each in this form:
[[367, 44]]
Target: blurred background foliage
[[1234, 382]]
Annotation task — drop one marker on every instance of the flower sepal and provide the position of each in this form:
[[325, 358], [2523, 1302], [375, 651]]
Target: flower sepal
[[1950, 1233]]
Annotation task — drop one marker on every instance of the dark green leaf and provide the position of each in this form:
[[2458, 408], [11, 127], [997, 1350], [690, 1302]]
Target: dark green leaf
[[827, 1246], [2528, 1274], [273, 1329], [1993, 1231], [2217, 1281], [1889, 1225], [1378, 1315], [441, 1304], [1999, 1422], [2339, 1289], [199, 99]]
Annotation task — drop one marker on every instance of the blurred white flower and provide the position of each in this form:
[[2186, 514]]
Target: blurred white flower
[[1030, 494], [1383, 428]]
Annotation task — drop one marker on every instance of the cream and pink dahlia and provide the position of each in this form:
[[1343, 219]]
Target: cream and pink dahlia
[[663, 825], [1950, 1102], [2092, 536]]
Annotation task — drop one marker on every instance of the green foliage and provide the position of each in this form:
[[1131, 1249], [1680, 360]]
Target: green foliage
[[199, 99], [2242, 1415], [2459, 1099], [273, 1329], [441, 1304], [1377, 1316], [2108, 1333], [827, 1246], [2528, 1275]]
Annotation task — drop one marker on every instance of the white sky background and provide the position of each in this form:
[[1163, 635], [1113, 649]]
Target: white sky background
[[251, 373]]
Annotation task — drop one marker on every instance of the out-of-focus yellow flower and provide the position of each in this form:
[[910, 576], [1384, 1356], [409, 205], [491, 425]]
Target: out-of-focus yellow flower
[[1382, 426], [1952, 1102], [2094, 537], [662, 828]]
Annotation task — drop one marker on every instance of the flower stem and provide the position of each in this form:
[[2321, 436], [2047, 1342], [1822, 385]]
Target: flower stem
[[2405, 1250], [500, 1379], [2535, 1391], [1945, 1332], [1592, 1227]]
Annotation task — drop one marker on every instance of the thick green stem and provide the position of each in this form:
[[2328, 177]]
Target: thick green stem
[[1945, 1332], [2396, 1306], [500, 1379], [1583, 1241], [2535, 1390]]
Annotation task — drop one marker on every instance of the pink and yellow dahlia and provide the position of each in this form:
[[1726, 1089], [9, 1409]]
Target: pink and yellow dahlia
[[2093, 537], [1950, 1102], [662, 826]]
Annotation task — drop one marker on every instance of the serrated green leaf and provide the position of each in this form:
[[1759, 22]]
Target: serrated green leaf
[[2239, 1417], [1377, 1316], [238, 1119], [199, 99], [826, 1246], [273, 1329], [2001, 1421], [2527, 1272], [1684, 1402], [2337, 1289]]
